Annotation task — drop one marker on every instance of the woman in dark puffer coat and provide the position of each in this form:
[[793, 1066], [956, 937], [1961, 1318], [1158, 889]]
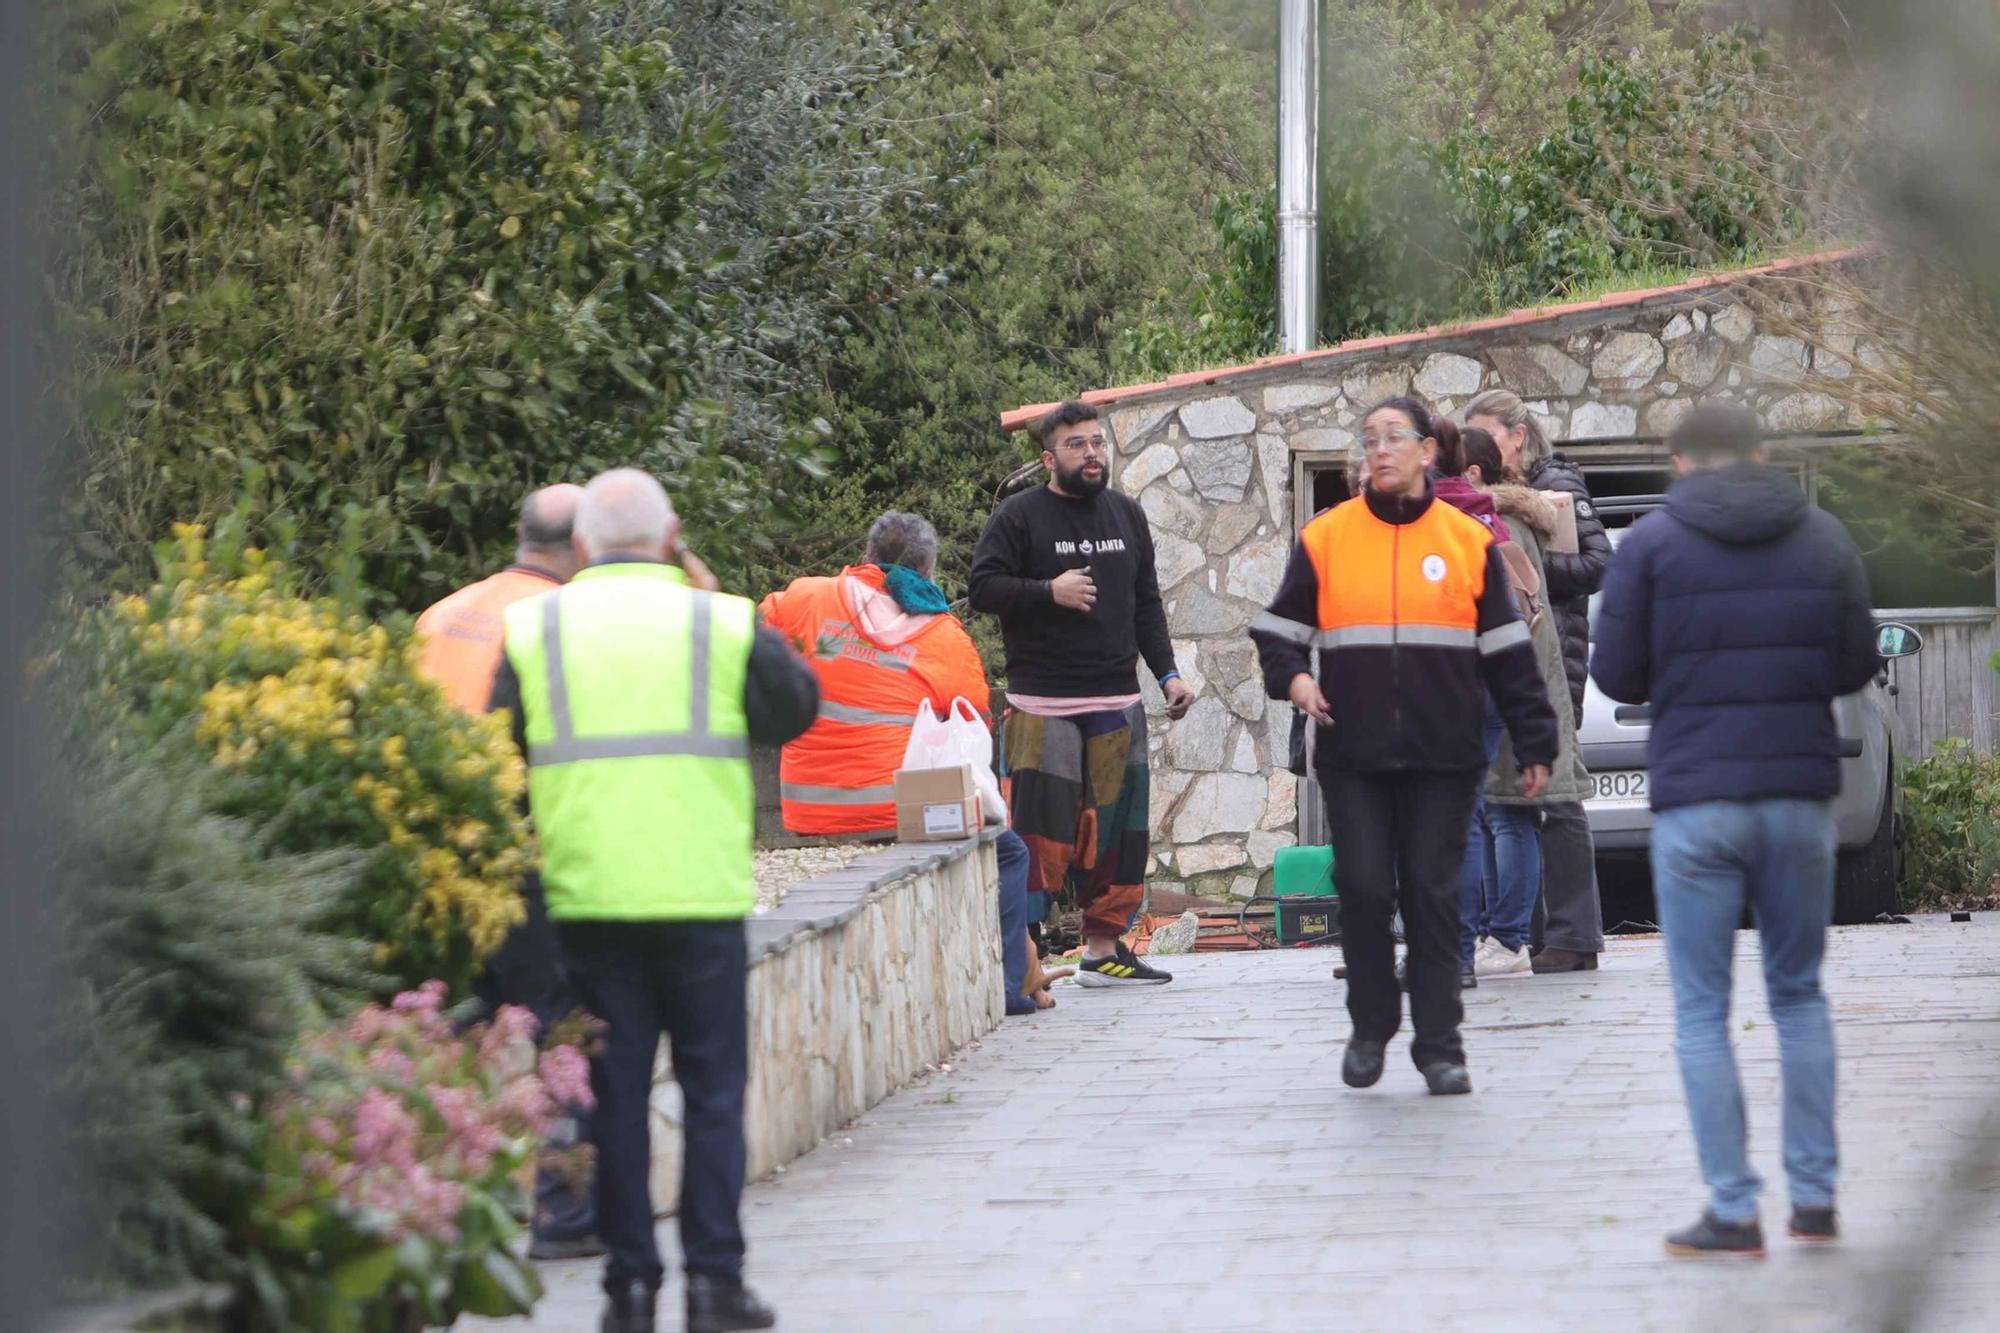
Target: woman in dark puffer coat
[[1573, 576]]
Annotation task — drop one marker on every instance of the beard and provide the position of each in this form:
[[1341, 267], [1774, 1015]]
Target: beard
[[1073, 482]]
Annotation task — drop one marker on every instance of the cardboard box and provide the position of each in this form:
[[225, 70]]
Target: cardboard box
[[936, 804]]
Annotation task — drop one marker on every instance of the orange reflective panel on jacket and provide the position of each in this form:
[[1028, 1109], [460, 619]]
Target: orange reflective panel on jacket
[[876, 664], [461, 636], [1422, 580]]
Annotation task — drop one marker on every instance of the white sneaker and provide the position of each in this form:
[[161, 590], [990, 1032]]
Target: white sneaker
[[1494, 959]]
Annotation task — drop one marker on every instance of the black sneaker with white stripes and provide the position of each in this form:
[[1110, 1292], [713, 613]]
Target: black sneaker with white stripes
[[1123, 968]]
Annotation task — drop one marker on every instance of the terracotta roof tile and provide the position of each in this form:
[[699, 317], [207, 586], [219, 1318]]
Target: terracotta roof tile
[[1021, 417]]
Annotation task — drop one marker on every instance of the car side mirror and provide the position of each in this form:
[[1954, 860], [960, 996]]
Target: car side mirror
[[1894, 639]]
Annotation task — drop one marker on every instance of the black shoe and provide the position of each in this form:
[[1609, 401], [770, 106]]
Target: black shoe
[[1814, 1226], [1467, 981], [545, 1251], [1447, 1079], [715, 1305], [1123, 968], [629, 1309], [1712, 1238], [1563, 960], [1361, 1067]]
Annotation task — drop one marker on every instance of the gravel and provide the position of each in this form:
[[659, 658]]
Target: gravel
[[779, 868]]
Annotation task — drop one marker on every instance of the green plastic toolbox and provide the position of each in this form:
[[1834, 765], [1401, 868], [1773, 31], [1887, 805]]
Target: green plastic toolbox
[[1303, 870], [1308, 904]]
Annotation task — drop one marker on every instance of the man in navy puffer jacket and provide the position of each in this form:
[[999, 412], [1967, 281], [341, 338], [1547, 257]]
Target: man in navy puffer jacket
[[1740, 612]]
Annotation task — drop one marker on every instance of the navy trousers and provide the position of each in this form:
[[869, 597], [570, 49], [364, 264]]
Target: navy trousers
[[686, 980]]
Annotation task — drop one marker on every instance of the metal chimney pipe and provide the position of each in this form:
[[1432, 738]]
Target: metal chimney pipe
[[1298, 175]]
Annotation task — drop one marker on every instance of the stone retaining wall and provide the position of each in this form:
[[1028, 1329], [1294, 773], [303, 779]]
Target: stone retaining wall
[[859, 981], [1212, 462]]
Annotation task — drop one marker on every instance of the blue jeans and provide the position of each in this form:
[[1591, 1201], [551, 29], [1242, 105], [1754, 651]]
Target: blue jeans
[[1013, 857], [1515, 881], [1709, 861], [1502, 872]]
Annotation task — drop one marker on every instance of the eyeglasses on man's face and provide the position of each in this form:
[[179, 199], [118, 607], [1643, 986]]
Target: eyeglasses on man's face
[[1093, 444]]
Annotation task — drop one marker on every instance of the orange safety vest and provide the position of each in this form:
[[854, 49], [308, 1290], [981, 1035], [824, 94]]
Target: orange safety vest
[[840, 776], [462, 636], [1417, 584]]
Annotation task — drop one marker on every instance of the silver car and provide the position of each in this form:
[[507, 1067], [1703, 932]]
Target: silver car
[[1868, 811]]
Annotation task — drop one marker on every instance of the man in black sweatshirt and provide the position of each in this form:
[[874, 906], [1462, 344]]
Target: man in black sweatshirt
[[1068, 568]]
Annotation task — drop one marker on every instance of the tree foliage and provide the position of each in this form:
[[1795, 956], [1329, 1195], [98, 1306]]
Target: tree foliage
[[405, 257], [1463, 181], [190, 955], [807, 184], [1071, 152], [322, 729]]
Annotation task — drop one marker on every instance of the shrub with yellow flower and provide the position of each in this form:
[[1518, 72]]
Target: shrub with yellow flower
[[328, 734]]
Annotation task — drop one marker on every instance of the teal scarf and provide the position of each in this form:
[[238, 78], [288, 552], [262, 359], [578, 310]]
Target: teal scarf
[[913, 592]]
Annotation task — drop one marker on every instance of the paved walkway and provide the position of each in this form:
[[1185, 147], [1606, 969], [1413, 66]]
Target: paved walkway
[[1191, 1152]]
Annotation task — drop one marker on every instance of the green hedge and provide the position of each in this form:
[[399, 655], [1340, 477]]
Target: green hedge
[[401, 259]]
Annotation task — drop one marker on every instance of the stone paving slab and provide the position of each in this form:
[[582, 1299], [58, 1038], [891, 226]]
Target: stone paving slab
[[1254, 1191]]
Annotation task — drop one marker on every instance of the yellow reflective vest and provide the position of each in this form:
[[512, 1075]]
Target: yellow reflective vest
[[638, 746]]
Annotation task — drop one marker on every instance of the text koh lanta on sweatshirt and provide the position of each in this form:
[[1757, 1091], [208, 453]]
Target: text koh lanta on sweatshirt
[[1052, 650]]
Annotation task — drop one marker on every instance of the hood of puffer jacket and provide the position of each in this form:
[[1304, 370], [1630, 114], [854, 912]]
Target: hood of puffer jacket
[[1524, 504], [1747, 504]]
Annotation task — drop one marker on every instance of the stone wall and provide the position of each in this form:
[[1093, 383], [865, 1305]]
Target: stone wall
[[1211, 462], [859, 981]]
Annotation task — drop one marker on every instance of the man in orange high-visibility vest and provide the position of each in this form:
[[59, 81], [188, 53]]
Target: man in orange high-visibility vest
[[461, 634]]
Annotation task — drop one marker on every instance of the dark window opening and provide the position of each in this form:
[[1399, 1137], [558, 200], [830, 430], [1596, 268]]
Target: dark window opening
[[1329, 487]]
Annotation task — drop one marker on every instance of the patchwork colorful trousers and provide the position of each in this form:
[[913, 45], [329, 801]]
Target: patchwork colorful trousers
[[1078, 789]]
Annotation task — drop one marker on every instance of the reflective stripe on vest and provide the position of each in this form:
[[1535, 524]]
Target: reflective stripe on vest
[[639, 778], [566, 748], [830, 711], [802, 791], [1388, 636]]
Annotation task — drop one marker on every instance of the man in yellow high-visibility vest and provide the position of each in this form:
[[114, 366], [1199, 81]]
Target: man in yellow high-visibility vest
[[635, 698]]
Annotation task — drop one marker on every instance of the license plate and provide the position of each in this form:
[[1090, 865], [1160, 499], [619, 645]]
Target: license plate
[[1620, 788]]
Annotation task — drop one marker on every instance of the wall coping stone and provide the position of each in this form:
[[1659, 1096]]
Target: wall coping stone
[[829, 901]]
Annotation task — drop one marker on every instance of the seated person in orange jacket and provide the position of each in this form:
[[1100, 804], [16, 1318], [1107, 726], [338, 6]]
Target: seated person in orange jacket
[[882, 640]]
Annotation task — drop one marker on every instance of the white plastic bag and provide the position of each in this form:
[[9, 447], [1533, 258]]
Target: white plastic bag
[[959, 737]]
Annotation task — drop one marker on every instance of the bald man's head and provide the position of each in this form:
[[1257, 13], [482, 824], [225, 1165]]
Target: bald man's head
[[548, 522], [626, 512]]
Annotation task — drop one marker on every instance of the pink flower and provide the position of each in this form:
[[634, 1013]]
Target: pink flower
[[425, 1000], [507, 1047], [394, 1063], [384, 1130], [524, 1106], [324, 1130], [469, 1131], [514, 1023], [567, 1075]]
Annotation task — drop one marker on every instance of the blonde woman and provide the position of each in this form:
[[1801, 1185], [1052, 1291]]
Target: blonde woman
[[1569, 923], [1573, 575]]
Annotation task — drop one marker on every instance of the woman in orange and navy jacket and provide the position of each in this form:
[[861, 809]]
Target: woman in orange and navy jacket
[[1407, 603]]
